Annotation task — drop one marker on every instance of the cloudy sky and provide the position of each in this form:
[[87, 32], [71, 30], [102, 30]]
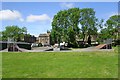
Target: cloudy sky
[[37, 16]]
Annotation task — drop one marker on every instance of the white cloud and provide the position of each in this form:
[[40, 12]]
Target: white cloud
[[33, 18], [67, 5], [10, 15]]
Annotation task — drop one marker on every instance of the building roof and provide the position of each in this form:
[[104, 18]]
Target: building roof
[[44, 35]]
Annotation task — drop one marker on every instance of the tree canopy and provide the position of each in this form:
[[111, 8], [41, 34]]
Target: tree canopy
[[14, 32], [65, 25], [111, 29], [88, 22], [65, 22]]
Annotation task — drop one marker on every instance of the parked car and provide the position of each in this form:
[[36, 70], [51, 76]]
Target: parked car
[[34, 45]]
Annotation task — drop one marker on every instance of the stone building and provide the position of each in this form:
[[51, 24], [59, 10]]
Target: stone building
[[44, 39]]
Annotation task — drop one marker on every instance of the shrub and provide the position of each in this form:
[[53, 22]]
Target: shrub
[[40, 45]]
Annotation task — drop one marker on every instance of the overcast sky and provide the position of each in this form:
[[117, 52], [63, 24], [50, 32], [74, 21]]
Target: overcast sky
[[37, 16]]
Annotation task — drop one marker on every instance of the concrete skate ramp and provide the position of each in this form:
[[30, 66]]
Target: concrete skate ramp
[[16, 49], [21, 49], [101, 46], [40, 49]]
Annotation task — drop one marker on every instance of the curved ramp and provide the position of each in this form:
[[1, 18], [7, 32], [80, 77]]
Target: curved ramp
[[17, 49], [22, 49], [101, 46]]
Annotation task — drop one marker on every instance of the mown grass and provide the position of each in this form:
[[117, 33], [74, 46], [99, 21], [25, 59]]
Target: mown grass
[[60, 65], [0, 65]]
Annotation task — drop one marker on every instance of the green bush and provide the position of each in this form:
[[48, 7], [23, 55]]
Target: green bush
[[40, 45]]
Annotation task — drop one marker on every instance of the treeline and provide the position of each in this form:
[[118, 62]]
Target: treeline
[[66, 26], [13, 32]]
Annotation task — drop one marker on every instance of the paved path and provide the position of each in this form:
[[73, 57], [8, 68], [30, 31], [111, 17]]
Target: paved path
[[37, 49], [43, 49], [91, 49]]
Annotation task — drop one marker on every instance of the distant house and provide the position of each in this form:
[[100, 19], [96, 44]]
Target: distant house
[[44, 39]]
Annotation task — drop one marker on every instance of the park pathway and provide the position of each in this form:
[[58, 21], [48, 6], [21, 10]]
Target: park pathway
[[46, 49]]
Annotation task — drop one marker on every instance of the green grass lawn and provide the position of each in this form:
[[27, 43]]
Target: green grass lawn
[[60, 65], [0, 65]]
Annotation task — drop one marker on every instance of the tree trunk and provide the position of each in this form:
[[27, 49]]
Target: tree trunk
[[83, 38], [89, 40]]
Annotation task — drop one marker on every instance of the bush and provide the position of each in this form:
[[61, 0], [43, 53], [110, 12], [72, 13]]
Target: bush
[[116, 42], [40, 45]]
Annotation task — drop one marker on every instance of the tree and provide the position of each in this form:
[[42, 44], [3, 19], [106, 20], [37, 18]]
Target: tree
[[104, 34], [67, 21], [88, 22], [13, 32], [62, 21], [0, 36], [73, 19], [56, 27], [112, 25], [111, 29], [24, 30], [71, 39]]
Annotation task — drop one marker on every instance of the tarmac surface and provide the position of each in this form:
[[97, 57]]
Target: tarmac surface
[[49, 49]]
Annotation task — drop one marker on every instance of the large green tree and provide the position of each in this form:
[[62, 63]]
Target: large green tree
[[62, 24], [112, 25], [65, 25], [88, 22], [111, 29], [58, 26], [13, 32], [73, 29]]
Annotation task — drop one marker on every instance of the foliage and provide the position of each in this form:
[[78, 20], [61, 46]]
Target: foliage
[[88, 22], [40, 45], [111, 29], [65, 26], [13, 32], [72, 36]]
